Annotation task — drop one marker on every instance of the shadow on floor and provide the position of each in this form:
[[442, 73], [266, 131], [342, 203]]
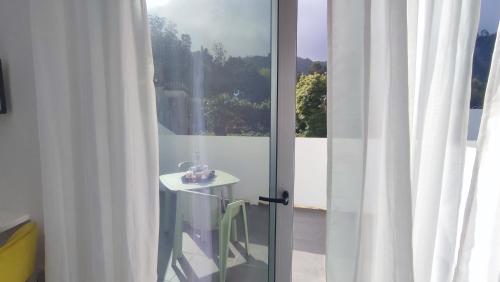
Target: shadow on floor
[[199, 261]]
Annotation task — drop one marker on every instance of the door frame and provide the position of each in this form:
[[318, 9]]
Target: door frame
[[285, 27]]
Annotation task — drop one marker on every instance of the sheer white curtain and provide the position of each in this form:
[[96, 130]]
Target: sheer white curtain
[[369, 197], [98, 139], [398, 105], [441, 39], [479, 257]]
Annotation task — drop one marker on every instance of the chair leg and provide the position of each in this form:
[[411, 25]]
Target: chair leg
[[224, 233], [234, 228], [246, 228]]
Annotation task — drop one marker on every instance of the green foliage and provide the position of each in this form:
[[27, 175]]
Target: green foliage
[[483, 52], [229, 115], [265, 72], [311, 105], [478, 90], [172, 55], [307, 66], [220, 54], [317, 67], [236, 90]]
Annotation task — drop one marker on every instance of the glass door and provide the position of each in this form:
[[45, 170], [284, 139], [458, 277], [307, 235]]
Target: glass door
[[216, 80]]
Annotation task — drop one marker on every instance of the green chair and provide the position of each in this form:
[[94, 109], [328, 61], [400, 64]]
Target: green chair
[[232, 210], [207, 212]]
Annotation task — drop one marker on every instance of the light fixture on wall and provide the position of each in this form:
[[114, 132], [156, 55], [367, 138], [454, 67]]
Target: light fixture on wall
[[3, 102]]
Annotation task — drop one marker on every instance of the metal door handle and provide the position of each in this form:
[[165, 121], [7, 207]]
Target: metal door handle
[[283, 200]]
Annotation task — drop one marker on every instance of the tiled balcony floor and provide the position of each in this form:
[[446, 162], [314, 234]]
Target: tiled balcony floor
[[309, 245], [199, 263]]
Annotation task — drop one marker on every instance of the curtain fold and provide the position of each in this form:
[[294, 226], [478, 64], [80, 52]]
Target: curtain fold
[[397, 144], [479, 256], [441, 41], [98, 139], [369, 195]]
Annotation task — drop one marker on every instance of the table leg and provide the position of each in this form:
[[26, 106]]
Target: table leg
[[234, 228], [177, 248], [165, 215]]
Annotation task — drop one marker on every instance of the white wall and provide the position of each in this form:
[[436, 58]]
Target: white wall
[[20, 175], [244, 157], [474, 123], [311, 161], [248, 159], [310, 173]]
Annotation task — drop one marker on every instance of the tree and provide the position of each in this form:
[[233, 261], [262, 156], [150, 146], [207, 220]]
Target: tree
[[220, 54], [311, 105], [317, 67], [483, 52], [478, 90], [229, 115], [171, 54], [236, 90]]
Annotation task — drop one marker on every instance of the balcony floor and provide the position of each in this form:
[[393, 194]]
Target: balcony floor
[[198, 262]]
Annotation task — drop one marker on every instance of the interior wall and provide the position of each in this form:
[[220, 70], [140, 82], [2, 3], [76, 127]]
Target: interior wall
[[20, 169]]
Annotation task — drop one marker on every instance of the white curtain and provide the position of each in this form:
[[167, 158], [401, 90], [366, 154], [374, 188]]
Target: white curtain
[[98, 139], [369, 196], [442, 36], [479, 257], [398, 92]]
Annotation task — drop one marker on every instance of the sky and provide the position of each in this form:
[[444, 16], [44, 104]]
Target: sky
[[244, 26], [311, 30], [490, 15], [312, 26]]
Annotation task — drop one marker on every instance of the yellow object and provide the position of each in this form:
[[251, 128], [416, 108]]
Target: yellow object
[[17, 256]]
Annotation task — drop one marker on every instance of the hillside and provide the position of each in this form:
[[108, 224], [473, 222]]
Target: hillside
[[485, 43], [304, 65], [482, 56]]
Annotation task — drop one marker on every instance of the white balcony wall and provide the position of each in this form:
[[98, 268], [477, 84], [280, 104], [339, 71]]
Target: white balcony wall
[[248, 159], [310, 173], [474, 122], [244, 157]]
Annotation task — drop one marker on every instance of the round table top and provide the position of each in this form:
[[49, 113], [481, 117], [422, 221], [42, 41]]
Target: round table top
[[173, 181]]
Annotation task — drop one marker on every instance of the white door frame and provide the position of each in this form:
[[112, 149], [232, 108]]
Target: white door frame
[[285, 150]]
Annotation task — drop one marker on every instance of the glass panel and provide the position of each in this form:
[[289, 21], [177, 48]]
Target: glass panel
[[215, 81]]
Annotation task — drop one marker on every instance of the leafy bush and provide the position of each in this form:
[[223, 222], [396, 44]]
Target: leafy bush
[[311, 105], [229, 115]]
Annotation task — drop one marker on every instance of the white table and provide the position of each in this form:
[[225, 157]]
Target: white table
[[10, 220], [222, 180], [173, 181]]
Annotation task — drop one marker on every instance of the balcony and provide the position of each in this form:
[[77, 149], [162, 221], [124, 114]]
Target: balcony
[[248, 159]]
